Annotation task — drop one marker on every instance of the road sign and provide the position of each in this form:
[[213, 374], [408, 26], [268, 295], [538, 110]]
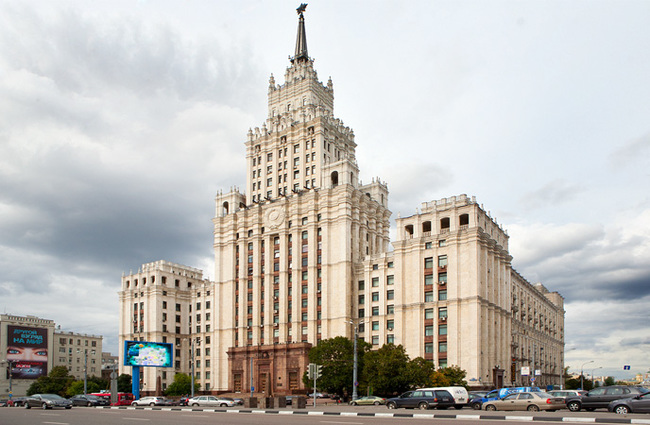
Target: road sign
[[532, 379], [252, 389], [525, 371]]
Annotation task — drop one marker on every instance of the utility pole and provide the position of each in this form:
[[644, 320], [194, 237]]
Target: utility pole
[[355, 362]]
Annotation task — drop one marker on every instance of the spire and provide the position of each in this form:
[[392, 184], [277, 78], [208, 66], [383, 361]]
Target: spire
[[301, 38]]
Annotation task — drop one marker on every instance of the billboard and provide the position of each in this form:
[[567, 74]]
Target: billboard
[[142, 353], [27, 351]]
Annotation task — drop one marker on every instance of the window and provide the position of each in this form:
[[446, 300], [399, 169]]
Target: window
[[390, 339], [362, 312], [428, 330], [375, 340], [442, 313], [362, 285], [428, 279], [442, 295], [428, 245], [442, 261], [428, 296], [428, 262], [390, 309], [390, 295], [375, 311], [442, 243], [390, 324], [375, 266], [304, 317], [442, 330], [375, 282], [362, 299], [304, 303], [442, 347], [428, 347], [375, 325], [428, 313], [304, 235], [442, 278], [375, 296], [390, 280]]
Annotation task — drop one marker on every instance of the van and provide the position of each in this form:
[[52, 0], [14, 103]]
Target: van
[[477, 403], [460, 395]]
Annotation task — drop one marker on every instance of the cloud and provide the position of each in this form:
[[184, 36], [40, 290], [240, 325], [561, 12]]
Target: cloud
[[552, 194], [631, 153]]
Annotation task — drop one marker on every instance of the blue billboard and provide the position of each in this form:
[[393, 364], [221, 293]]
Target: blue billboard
[[143, 353]]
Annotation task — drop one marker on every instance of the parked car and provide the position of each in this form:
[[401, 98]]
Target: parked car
[[183, 400], [476, 394], [460, 395], [477, 403], [599, 398], [47, 401], [239, 401], [149, 401], [210, 400], [636, 404], [16, 402], [88, 400], [533, 402], [566, 393], [368, 400], [4, 402], [422, 399]]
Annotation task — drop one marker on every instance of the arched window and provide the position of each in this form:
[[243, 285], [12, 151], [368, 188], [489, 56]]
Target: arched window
[[463, 219], [335, 178], [444, 223], [409, 230], [426, 226], [225, 208]]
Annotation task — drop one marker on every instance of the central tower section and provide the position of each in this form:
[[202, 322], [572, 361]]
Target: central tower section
[[286, 251]]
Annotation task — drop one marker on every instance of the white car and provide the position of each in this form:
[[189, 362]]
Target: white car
[[210, 400], [149, 401]]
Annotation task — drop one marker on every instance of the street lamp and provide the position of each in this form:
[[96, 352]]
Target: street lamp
[[582, 376], [10, 365], [593, 380], [192, 340], [85, 369], [356, 361]]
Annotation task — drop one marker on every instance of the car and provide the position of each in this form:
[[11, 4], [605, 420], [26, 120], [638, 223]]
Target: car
[[460, 395], [16, 401], [476, 394], [636, 404], [422, 399], [4, 402], [210, 400], [533, 402], [368, 400], [183, 400], [566, 393], [477, 403], [318, 395], [47, 401], [599, 398], [149, 401], [88, 400]]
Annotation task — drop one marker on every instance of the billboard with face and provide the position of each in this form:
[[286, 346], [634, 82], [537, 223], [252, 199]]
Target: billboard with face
[[142, 353], [27, 351]]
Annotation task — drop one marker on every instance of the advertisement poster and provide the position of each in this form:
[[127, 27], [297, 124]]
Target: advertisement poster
[[142, 353], [27, 350]]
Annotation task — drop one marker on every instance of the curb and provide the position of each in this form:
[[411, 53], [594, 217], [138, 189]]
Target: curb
[[489, 417]]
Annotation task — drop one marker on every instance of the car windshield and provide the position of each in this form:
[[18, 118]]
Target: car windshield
[[51, 396]]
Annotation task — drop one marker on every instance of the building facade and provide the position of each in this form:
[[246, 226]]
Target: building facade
[[80, 353], [305, 254]]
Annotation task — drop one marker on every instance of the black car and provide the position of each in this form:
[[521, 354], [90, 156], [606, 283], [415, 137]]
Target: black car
[[88, 400], [422, 399], [637, 404], [47, 401], [599, 398]]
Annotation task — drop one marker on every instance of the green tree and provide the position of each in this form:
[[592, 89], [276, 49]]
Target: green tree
[[55, 382], [455, 375], [336, 355], [438, 379], [182, 385], [421, 372], [124, 383], [386, 370], [610, 381], [94, 384]]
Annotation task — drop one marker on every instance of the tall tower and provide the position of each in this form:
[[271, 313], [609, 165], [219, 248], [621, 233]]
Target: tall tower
[[285, 253]]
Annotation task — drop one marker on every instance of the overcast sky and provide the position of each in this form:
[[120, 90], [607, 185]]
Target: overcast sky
[[120, 121]]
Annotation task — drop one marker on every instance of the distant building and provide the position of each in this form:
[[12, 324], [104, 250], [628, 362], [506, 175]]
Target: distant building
[[26, 351], [305, 255], [80, 353]]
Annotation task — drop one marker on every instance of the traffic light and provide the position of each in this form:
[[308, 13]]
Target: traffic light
[[319, 371], [311, 371]]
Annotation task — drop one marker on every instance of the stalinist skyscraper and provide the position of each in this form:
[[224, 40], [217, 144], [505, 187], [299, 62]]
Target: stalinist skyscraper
[[304, 254]]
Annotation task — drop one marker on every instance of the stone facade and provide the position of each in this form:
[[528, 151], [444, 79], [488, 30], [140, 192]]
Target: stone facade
[[78, 352], [307, 252]]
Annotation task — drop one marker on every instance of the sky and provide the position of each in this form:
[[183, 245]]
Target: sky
[[120, 121]]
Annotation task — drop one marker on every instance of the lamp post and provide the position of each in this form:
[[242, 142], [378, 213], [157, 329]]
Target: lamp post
[[355, 362], [10, 365], [593, 380], [192, 340], [582, 376], [85, 369]]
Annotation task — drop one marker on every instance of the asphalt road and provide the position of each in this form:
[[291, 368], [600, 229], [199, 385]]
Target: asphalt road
[[322, 415]]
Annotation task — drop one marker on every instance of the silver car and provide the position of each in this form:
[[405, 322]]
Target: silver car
[[210, 400], [150, 401], [47, 401]]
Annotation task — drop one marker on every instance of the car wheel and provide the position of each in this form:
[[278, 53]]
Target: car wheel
[[89, 404], [353, 403], [195, 404], [491, 407], [44, 406], [423, 406], [27, 406], [476, 406], [533, 408], [223, 405], [590, 409], [68, 407], [622, 410], [134, 404], [458, 407], [573, 406], [376, 403], [391, 405], [152, 404]]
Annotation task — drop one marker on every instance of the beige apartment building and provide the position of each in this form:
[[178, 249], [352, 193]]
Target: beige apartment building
[[80, 353], [304, 254]]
